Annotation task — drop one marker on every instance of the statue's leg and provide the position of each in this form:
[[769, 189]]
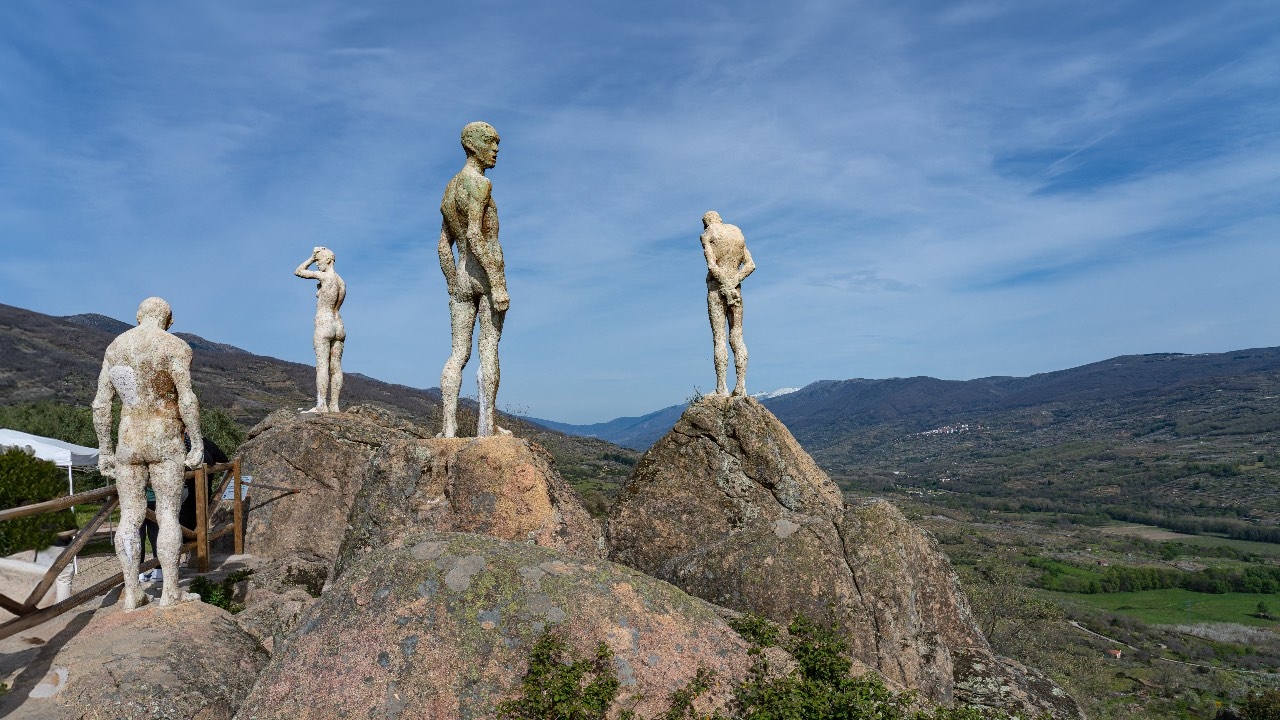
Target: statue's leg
[[490, 373], [131, 483], [716, 311], [462, 316], [335, 374], [321, 345], [739, 348], [166, 479]]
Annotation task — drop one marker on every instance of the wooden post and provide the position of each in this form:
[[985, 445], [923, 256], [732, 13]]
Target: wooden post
[[202, 520], [237, 517]]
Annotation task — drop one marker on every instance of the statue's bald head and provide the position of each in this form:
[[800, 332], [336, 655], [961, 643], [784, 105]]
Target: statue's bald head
[[157, 310], [325, 255], [476, 136], [711, 218]]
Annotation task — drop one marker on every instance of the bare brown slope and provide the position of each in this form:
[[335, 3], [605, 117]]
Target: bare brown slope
[[46, 358]]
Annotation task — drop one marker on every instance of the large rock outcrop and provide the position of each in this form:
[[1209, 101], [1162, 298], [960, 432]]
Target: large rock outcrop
[[188, 661], [440, 625], [730, 508], [504, 487], [325, 456]]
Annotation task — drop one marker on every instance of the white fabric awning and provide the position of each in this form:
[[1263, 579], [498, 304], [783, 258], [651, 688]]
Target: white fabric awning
[[63, 454]]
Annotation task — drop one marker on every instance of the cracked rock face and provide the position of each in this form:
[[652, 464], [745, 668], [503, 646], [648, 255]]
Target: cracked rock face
[[439, 625], [324, 456], [504, 487], [728, 507]]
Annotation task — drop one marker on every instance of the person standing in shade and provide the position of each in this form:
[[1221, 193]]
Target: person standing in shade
[[476, 277], [728, 264], [330, 336]]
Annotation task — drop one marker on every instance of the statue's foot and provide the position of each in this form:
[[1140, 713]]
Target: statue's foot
[[316, 409], [740, 391], [177, 598], [499, 430], [134, 600]]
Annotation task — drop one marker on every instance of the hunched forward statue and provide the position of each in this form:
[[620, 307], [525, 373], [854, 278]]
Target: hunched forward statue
[[728, 264], [476, 277]]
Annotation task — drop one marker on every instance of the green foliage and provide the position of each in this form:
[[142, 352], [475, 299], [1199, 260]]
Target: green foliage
[[1264, 705], [562, 686], [221, 429], [1066, 577], [757, 630], [821, 688], [220, 594], [25, 479]]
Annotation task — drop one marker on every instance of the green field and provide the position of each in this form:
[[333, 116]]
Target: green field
[[1178, 607], [1150, 532]]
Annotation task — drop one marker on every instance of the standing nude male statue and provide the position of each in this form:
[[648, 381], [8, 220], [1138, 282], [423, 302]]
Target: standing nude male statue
[[476, 278], [151, 372], [728, 264], [330, 336]]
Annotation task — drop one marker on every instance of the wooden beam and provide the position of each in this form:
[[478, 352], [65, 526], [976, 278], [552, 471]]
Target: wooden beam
[[237, 512], [68, 554], [56, 504]]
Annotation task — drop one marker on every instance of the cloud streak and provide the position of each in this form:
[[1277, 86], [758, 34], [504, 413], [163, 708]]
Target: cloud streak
[[986, 188]]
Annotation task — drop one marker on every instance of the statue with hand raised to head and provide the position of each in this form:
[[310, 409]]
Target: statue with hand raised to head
[[330, 336], [475, 276], [150, 370], [728, 264]]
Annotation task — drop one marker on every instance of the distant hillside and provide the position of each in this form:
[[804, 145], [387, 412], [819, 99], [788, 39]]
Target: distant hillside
[[46, 358]]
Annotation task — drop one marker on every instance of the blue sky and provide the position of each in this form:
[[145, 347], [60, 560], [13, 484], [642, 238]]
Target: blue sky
[[949, 189]]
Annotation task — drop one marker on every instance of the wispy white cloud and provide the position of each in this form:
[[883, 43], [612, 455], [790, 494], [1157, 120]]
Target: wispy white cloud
[[986, 188]]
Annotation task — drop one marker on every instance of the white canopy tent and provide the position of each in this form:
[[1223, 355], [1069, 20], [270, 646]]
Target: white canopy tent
[[59, 452]]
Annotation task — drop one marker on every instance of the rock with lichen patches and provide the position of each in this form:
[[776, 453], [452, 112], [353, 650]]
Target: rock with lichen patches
[[186, 661], [325, 456], [504, 487], [440, 625], [730, 508]]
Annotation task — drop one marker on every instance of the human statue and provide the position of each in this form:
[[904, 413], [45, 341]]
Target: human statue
[[728, 264], [330, 336], [150, 370], [476, 277]]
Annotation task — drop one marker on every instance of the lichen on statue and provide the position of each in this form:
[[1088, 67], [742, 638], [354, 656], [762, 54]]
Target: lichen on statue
[[150, 369]]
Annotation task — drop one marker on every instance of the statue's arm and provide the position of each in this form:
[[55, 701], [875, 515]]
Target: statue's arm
[[102, 420], [447, 266], [303, 270], [488, 253], [748, 265], [188, 405]]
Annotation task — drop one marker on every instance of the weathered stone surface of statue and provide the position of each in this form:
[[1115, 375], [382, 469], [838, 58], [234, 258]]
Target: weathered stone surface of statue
[[729, 507], [330, 336], [150, 370], [728, 264], [475, 277]]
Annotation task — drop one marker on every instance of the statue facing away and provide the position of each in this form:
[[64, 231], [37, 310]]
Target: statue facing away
[[330, 337], [728, 264], [476, 277], [150, 370]]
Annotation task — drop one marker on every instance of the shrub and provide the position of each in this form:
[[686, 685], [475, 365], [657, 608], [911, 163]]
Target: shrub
[[25, 479], [220, 594], [562, 686]]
